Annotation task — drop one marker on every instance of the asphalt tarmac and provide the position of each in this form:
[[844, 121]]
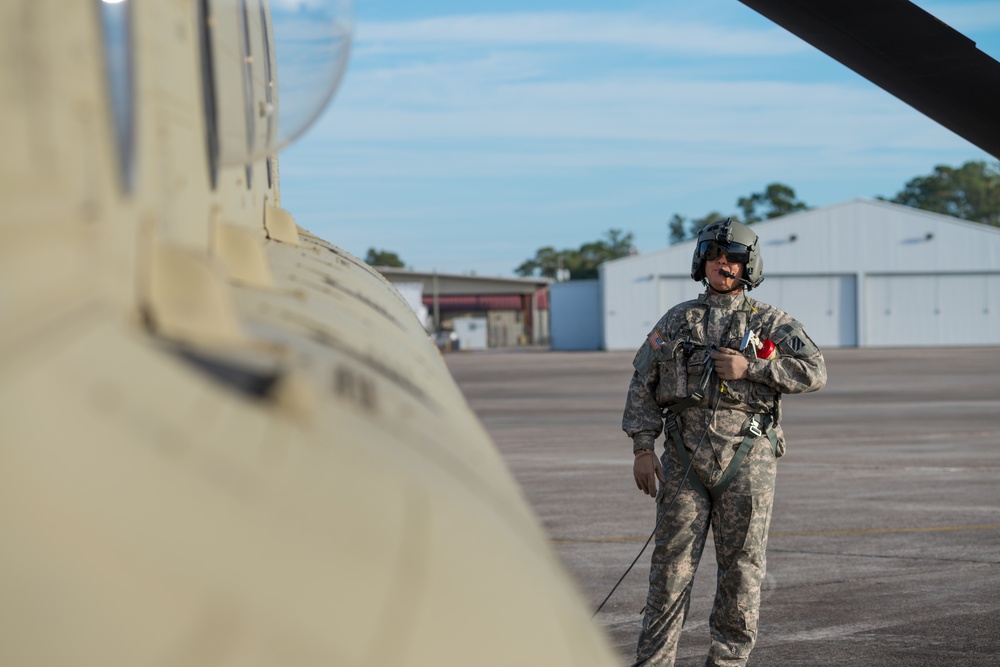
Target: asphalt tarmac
[[884, 547]]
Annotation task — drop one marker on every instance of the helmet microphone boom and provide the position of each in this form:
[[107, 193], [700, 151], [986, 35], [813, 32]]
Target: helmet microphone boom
[[736, 277]]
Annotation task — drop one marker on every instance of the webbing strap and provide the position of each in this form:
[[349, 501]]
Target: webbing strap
[[689, 402], [734, 465], [675, 435], [753, 432]]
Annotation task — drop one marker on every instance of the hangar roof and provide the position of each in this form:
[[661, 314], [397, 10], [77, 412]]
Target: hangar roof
[[857, 236], [452, 283]]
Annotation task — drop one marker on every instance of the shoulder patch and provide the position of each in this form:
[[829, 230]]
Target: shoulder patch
[[653, 348], [644, 358], [792, 340], [655, 340]]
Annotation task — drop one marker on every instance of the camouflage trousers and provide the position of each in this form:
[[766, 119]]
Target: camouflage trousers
[[739, 521]]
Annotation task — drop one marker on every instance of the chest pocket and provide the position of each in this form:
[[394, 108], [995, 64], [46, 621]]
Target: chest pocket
[[745, 395], [661, 359], [695, 360], [673, 373]]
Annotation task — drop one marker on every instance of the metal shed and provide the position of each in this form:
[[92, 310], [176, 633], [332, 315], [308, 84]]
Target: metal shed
[[861, 273], [516, 309], [575, 315]]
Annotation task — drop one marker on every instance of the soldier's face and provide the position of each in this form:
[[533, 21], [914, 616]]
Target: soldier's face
[[717, 281]]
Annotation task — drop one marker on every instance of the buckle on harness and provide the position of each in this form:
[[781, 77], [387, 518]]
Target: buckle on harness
[[755, 427], [670, 420]]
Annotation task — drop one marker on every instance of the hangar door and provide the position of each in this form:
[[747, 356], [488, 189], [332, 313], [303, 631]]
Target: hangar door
[[631, 308], [826, 305], [672, 290], [933, 309]]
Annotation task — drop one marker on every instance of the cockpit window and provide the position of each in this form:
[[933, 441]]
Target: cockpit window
[[269, 56], [116, 24], [208, 92], [269, 85], [269, 82], [247, 84], [247, 70]]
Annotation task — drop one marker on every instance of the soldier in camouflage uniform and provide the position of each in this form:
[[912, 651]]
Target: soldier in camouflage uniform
[[720, 410]]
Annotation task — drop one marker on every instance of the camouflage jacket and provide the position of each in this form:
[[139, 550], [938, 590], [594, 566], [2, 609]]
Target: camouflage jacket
[[669, 367]]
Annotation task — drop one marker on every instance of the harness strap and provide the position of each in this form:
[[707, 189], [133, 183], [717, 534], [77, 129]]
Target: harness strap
[[755, 430], [689, 402], [695, 398], [675, 435]]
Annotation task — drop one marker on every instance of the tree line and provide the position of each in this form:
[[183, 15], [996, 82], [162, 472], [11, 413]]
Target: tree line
[[970, 192], [581, 263]]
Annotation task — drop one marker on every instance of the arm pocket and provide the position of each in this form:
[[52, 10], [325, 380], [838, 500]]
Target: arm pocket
[[644, 358], [791, 340], [673, 374]]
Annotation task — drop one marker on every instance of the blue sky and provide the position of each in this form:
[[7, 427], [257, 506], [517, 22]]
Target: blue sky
[[467, 135]]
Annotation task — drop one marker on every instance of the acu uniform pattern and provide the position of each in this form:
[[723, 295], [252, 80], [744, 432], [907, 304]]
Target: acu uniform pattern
[[669, 367]]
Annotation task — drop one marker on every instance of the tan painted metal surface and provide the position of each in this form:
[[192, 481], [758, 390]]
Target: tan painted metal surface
[[224, 441]]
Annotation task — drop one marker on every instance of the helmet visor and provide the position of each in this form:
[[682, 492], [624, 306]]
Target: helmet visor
[[737, 253]]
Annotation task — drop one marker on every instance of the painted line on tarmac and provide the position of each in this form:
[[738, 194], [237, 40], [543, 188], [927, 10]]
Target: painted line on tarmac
[[808, 533], [854, 467], [879, 531], [901, 437]]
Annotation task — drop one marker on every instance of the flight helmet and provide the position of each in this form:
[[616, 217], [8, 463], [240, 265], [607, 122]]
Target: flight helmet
[[738, 242]]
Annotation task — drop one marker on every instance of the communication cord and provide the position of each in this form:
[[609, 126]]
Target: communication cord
[[680, 486]]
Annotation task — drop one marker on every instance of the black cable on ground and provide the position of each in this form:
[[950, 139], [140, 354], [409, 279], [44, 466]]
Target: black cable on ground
[[684, 478]]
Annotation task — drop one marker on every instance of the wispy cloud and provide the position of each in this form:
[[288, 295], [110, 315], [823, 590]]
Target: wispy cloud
[[472, 101], [629, 31], [528, 129], [479, 78]]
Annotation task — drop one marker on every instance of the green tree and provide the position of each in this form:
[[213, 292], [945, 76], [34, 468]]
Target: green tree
[[546, 262], [682, 229], [616, 243], [970, 192], [581, 263], [383, 258], [776, 200], [677, 228], [697, 224]]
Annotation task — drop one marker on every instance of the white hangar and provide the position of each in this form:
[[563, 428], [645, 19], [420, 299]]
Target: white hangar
[[861, 273]]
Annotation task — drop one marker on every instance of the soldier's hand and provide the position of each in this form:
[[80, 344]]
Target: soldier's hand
[[730, 364], [646, 469]]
